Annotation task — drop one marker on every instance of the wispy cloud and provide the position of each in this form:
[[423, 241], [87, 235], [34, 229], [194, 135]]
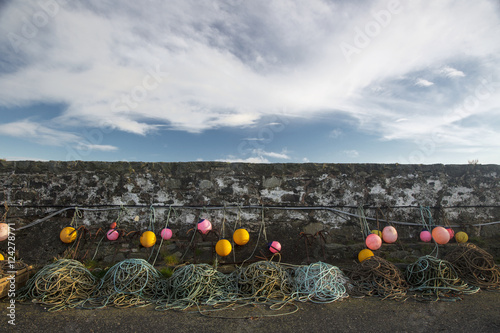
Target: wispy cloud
[[423, 83], [194, 66], [351, 153], [451, 72]]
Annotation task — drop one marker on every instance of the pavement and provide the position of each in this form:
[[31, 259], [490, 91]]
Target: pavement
[[474, 313]]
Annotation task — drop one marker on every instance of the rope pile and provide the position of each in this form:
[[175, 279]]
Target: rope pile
[[196, 284], [475, 265], [131, 282], [63, 284], [264, 282], [435, 279], [319, 283], [376, 276]]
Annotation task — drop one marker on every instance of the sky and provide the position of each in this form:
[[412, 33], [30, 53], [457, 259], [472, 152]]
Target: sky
[[251, 81]]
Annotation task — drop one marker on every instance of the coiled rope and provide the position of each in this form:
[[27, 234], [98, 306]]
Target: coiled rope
[[376, 276], [319, 283], [129, 283], [475, 265], [436, 279], [63, 284], [195, 284]]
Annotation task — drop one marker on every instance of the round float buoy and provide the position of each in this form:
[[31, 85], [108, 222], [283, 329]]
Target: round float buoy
[[1, 257], [148, 239], [425, 236], [389, 234], [373, 242], [68, 235], [377, 232], [241, 236], [223, 247], [440, 235], [364, 254], [451, 232], [461, 237], [112, 234], [166, 233], [204, 226], [274, 247], [113, 225], [4, 231]]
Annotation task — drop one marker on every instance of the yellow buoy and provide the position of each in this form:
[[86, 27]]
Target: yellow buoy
[[364, 254], [223, 247], [1, 257], [68, 235], [377, 232], [461, 237], [241, 236], [148, 239]]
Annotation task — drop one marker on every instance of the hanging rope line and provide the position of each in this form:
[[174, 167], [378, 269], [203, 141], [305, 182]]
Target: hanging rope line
[[475, 265], [436, 279], [205, 208]]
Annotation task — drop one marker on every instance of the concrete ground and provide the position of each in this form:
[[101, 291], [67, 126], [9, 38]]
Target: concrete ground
[[475, 313]]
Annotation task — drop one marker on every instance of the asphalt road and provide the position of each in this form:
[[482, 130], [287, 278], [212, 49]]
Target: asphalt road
[[475, 313]]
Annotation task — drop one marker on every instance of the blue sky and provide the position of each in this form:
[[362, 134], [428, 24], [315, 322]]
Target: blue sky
[[251, 81]]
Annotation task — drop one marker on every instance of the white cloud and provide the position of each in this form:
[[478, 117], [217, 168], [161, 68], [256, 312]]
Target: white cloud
[[335, 133], [423, 83], [256, 159], [451, 72], [97, 147], [282, 155], [351, 153], [194, 67]]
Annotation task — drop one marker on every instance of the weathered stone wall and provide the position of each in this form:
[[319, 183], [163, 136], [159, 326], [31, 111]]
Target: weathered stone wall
[[468, 194]]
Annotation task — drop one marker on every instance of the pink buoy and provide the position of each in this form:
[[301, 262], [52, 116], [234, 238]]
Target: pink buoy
[[373, 242], [204, 226], [451, 232], [4, 231], [166, 233], [274, 247], [425, 236], [440, 235], [389, 234], [112, 234]]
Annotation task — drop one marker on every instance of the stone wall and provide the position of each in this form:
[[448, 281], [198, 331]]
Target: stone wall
[[465, 194]]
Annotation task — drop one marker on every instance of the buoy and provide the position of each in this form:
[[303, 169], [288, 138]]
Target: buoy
[[451, 232], [364, 254], [112, 234], [223, 247], [1, 257], [4, 231], [377, 232], [166, 233], [425, 236], [373, 242], [440, 235], [148, 239], [68, 235], [461, 237], [389, 234], [204, 226], [274, 247], [112, 225], [241, 236]]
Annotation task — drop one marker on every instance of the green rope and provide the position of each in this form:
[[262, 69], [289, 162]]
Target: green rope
[[319, 283], [129, 283], [436, 279]]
